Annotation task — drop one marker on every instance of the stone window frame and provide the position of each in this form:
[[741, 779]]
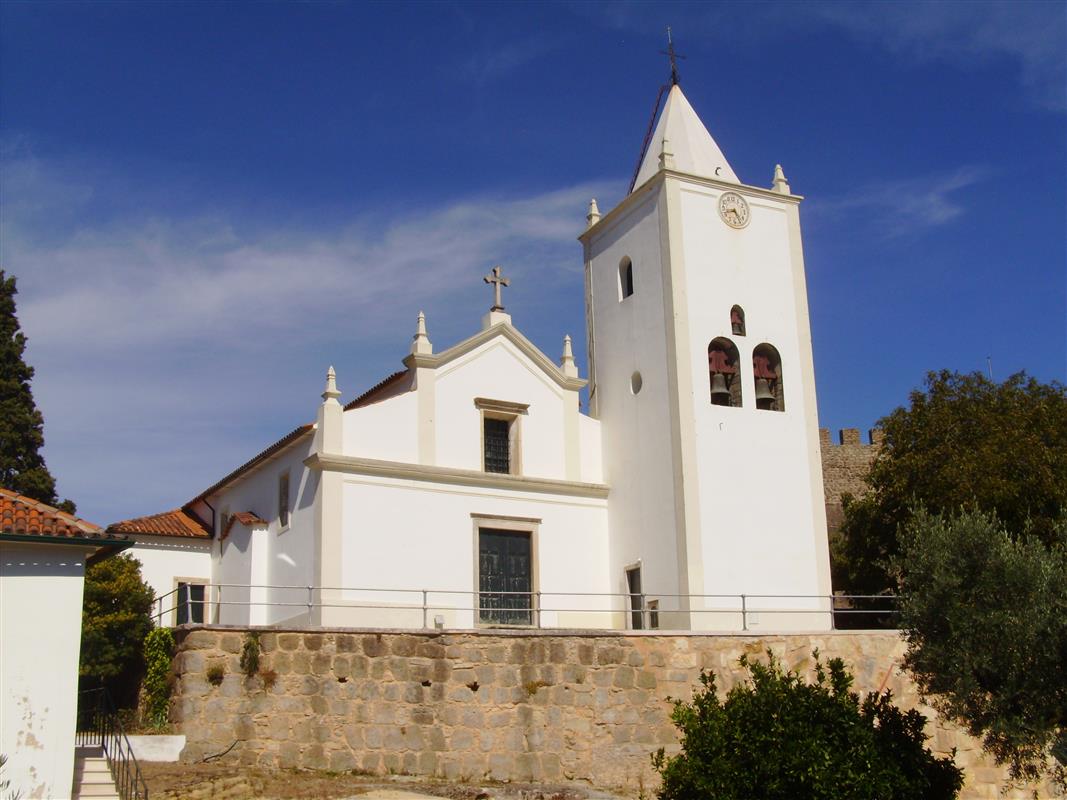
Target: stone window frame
[[177, 582], [510, 412], [503, 522]]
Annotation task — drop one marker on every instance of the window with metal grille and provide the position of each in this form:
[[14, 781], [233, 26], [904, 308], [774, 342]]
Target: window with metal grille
[[497, 445]]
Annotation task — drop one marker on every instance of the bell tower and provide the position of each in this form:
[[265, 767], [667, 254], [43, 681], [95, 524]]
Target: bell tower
[[701, 373]]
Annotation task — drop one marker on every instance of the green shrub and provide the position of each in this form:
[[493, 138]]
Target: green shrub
[[250, 654], [776, 737], [158, 649]]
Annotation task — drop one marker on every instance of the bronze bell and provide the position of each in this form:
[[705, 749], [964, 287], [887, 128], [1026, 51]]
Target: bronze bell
[[763, 391], [719, 392]]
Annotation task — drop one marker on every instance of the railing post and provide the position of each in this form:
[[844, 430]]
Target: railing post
[[537, 610], [644, 619], [425, 619], [218, 604], [833, 622], [311, 603], [744, 614]]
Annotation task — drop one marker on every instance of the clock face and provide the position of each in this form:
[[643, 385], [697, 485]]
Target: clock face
[[734, 210]]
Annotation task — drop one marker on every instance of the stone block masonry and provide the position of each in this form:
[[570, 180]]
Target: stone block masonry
[[845, 464], [541, 706]]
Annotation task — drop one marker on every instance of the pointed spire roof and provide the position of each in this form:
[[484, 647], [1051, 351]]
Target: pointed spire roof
[[689, 143]]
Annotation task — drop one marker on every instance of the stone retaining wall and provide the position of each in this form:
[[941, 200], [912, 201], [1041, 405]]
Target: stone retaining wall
[[471, 706]]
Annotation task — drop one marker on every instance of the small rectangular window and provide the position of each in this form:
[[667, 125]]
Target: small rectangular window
[[189, 603], [497, 435], [283, 500]]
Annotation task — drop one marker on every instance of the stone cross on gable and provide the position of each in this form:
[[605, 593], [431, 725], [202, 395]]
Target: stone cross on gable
[[495, 278]]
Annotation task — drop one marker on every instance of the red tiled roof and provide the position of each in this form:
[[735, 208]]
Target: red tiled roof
[[169, 523], [246, 518], [23, 517], [275, 448]]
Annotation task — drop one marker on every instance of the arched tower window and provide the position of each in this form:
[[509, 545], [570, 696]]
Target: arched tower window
[[626, 278], [724, 372], [767, 374], [737, 320]]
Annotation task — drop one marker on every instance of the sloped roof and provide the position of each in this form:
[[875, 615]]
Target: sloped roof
[[169, 523], [694, 151], [247, 518], [24, 518], [375, 391], [256, 460]]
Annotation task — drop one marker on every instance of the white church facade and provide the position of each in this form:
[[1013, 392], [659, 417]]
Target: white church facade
[[469, 489]]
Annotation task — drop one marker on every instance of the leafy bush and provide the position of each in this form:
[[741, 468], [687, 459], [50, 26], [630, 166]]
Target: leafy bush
[[776, 737], [158, 649]]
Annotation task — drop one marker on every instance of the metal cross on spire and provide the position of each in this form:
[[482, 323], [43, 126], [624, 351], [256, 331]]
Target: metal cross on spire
[[495, 278], [673, 56]]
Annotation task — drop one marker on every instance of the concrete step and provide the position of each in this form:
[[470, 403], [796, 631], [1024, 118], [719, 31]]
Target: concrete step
[[92, 776]]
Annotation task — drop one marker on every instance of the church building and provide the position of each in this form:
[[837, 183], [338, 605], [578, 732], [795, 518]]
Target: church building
[[469, 489]]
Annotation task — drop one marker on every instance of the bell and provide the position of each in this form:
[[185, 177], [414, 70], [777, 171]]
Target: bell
[[764, 395], [720, 395]]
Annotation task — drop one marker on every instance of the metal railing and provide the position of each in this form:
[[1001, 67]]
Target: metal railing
[[230, 603], [99, 726]]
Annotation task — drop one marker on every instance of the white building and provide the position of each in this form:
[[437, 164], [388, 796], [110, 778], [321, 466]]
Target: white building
[[43, 556], [469, 488]]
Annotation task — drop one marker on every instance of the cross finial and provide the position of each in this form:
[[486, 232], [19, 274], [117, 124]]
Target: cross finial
[[497, 280], [673, 56]]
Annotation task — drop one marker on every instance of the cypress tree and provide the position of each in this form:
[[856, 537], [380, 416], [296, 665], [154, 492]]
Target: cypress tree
[[22, 467]]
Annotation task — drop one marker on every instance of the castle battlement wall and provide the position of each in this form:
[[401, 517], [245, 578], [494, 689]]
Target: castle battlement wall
[[845, 463]]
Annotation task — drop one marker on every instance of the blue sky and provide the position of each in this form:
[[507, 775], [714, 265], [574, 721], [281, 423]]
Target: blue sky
[[206, 204]]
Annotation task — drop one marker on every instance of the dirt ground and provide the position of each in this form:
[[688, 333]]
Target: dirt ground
[[230, 782]]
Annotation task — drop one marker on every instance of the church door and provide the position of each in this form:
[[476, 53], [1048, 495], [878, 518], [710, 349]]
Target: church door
[[505, 580]]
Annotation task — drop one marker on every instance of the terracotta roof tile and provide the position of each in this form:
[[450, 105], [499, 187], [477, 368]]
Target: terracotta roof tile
[[169, 523], [22, 516], [247, 518]]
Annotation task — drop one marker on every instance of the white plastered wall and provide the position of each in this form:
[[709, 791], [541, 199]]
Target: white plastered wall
[[629, 336], [272, 555], [760, 501], [412, 535], [40, 610], [167, 559]]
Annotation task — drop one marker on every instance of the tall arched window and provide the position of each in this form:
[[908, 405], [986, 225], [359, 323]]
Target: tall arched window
[[626, 278], [737, 320], [724, 372], [767, 374]]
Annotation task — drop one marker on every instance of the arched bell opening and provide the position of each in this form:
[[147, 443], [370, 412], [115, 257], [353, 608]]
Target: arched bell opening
[[737, 321], [767, 374], [724, 373]]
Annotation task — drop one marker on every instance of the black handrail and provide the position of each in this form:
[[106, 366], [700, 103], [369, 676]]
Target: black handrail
[[99, 726]]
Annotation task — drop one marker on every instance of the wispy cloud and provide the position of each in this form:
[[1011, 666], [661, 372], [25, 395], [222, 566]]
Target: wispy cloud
[[173, 347], [905, 206], [1029, 33]]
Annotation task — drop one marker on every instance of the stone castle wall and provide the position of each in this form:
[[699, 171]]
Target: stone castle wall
[[511, 706], [845, 464]]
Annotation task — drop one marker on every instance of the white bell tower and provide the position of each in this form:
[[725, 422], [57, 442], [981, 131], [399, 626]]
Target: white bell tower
[[701, 374]]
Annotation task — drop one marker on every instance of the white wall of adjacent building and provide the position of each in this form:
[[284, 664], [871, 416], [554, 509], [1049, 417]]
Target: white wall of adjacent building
[[166, 560], [40, 615]]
